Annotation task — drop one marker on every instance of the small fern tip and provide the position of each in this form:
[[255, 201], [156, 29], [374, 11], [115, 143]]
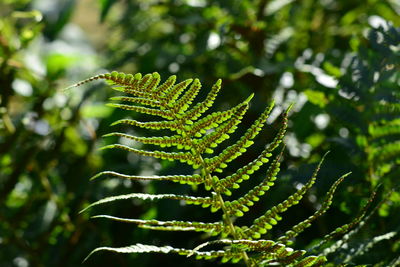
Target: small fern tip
[[64, 90], [326, 154], [249, 98], [107, 147], [289, 108], [96, 176]]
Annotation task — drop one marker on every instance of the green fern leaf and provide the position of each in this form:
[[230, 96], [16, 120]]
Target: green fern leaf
[[221, 133], [188, 199], [195, 134], [164, 141], [150, 111], [169, 225], [137, 100], [200, 127], [238, 207], [181, 156], [186, 100], [156, 125], [200, 108], [240, 146], [183, 179]]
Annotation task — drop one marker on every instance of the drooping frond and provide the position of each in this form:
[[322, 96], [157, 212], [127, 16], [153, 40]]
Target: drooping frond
[[300, 227], [348, 230], [265, 222]]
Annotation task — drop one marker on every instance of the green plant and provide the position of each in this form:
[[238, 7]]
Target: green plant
[[369, 91], [40, 140], [365, 104], [364, 112], [194, 137]]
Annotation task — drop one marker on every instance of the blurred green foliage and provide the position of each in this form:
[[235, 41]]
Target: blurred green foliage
[[311, 52]]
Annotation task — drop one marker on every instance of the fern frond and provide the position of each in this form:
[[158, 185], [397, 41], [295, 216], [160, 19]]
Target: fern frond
[[244, 173], [195, 112], [165, 86], [265, 222], [387, 108], [149, 111], [386, 129], [212, 120], [222, 132], [185, 157], [206, 201], [300, 227], [164, 141], [386, 152], [269, 251], [314, 261], [240, 146], [154, 125], [187, 99], [137, 100], [113, 78], [241, 205], [149, 82], [348, 230], [173, 93], [170, 225], [140, 248], [183, 179], [364, 248], [195, 134]]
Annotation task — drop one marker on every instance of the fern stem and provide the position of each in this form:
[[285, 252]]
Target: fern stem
[[226, 218]]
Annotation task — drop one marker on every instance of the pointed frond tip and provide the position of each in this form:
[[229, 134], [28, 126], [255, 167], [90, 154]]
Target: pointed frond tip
[[264, 223], [300, 227], [116, 77]]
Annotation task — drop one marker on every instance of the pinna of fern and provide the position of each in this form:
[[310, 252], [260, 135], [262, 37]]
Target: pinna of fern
[[194, 139]]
